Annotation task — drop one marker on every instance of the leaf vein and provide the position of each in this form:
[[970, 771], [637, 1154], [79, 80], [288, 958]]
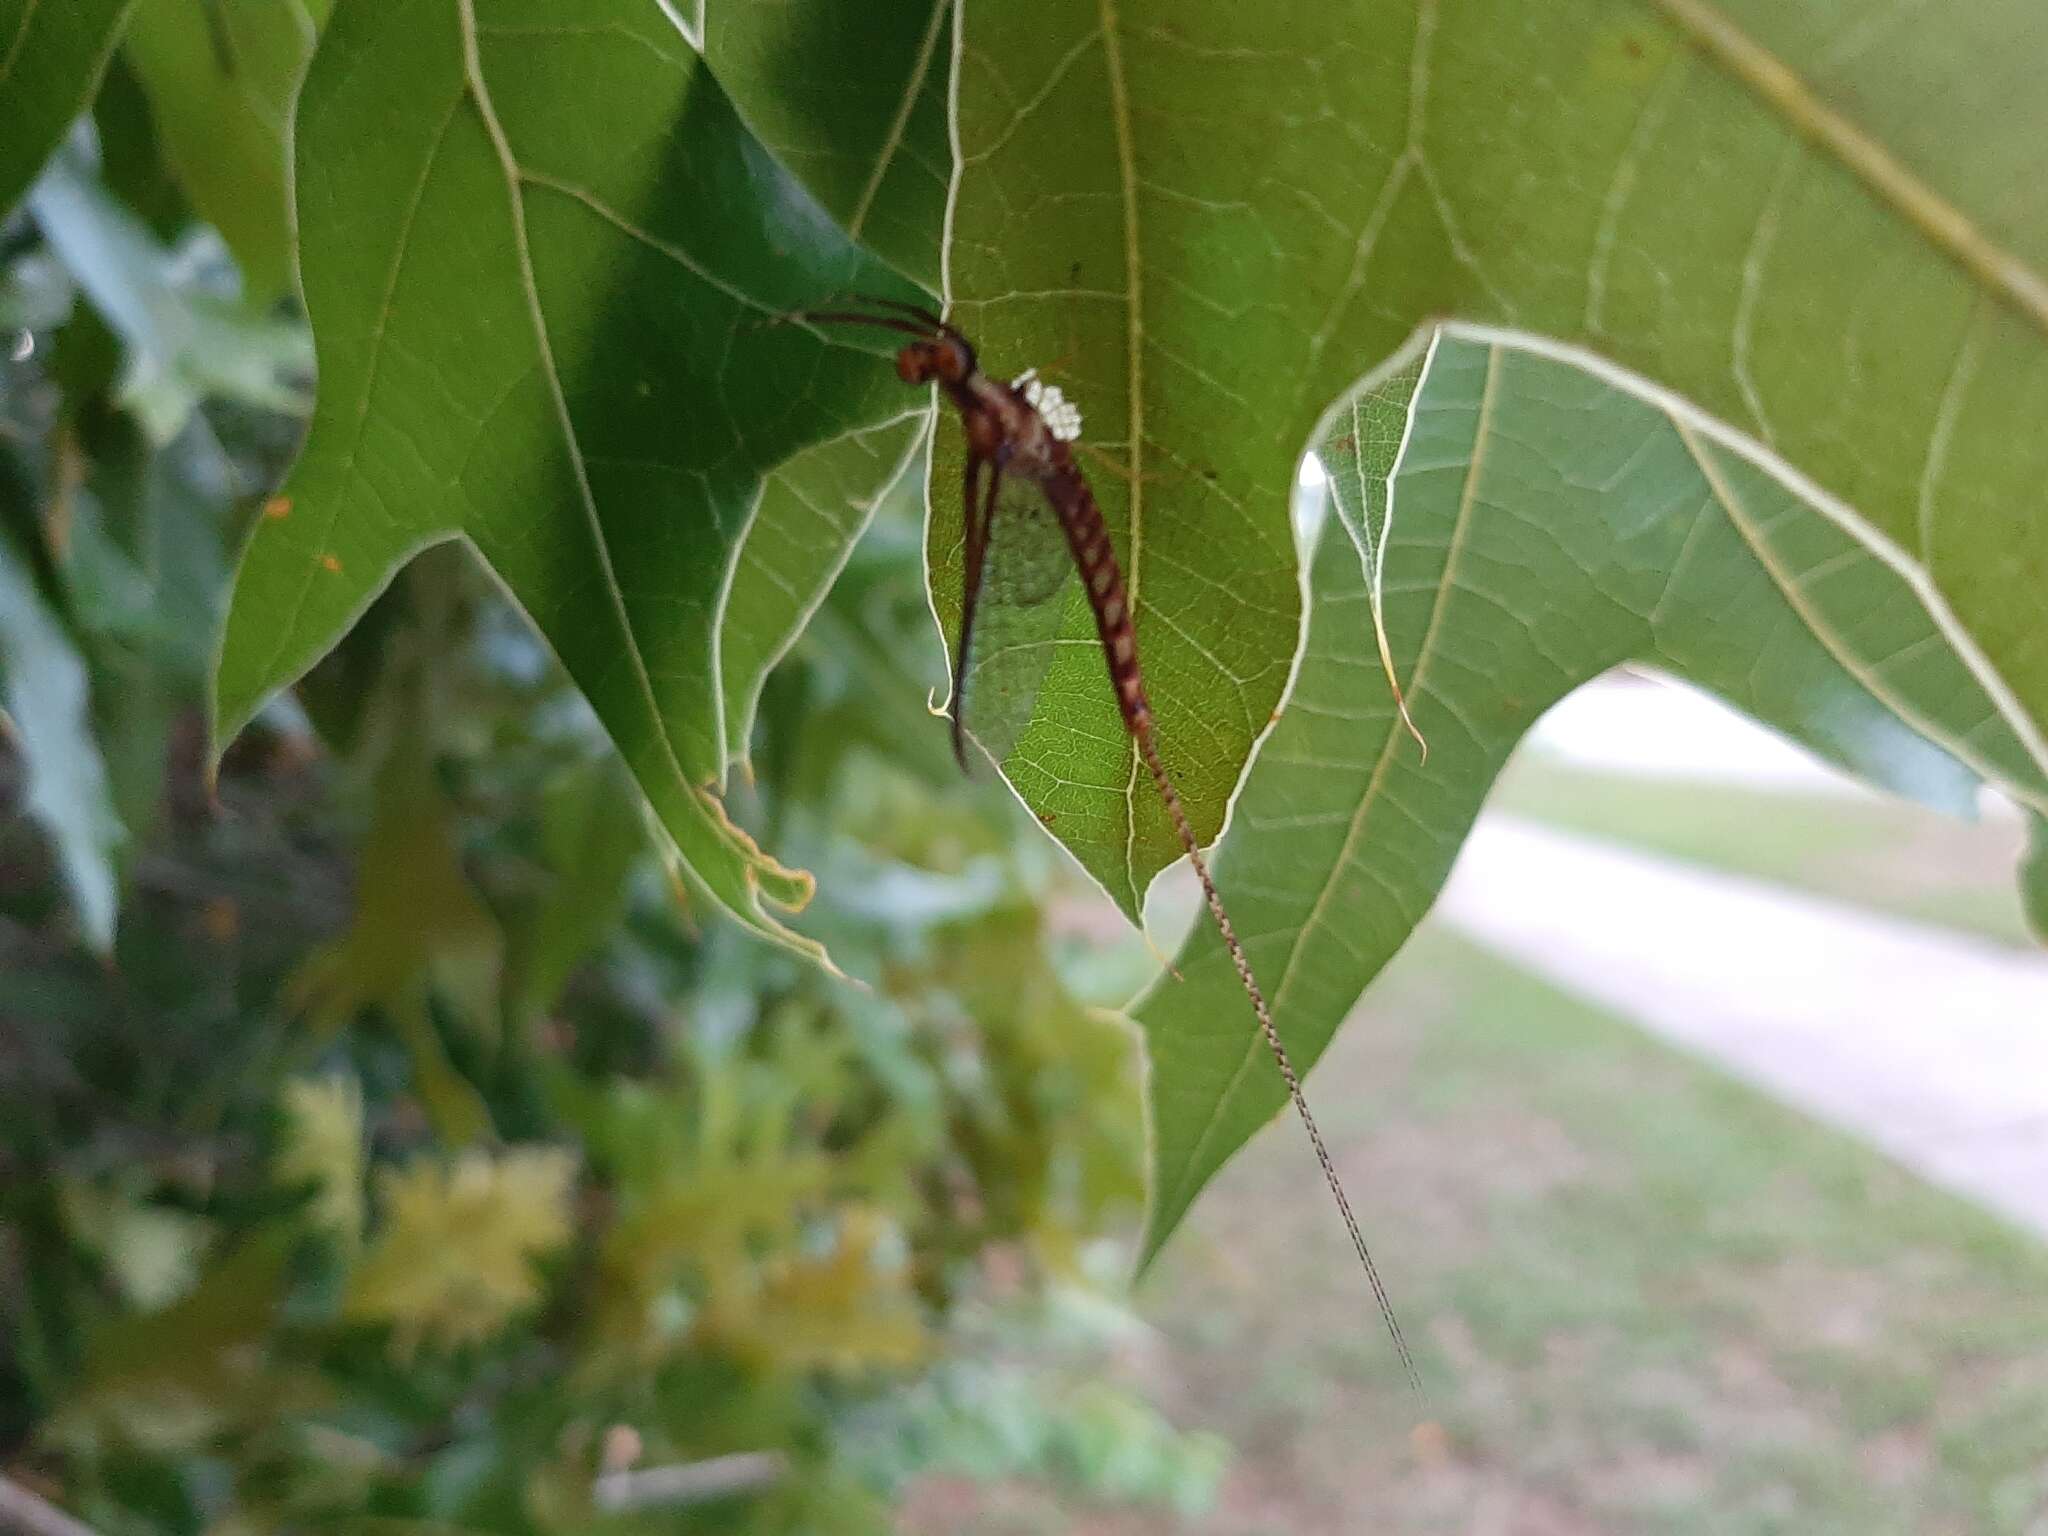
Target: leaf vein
[[900, 123], [1945, 225], [1347, 852]]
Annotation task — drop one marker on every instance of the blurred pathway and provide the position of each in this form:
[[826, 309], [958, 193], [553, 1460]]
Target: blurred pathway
[[1651, 727], [1928, 1044]]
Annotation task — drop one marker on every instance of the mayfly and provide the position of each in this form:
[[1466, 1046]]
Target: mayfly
[[1020, 465]]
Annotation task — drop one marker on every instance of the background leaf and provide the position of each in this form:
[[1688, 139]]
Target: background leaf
[[556, 344], [176, 1378], [1544, 527], [419, 931], [44, 684], [221, 77], [51, 58], [182, 341], [592, 832], [453, 1259]]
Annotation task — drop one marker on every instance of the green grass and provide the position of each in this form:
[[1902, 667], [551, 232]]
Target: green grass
[[1643, 1298], [1886, 854]]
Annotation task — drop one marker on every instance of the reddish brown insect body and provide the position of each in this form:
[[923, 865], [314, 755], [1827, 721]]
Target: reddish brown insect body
[[1022, 431]]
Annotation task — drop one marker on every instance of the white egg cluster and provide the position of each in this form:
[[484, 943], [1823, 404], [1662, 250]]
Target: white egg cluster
[[1061, 416]]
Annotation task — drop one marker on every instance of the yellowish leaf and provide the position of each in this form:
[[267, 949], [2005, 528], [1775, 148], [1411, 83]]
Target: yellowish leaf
[[323, 1146], [152, 1254], [849, 1309], [454, 1259]]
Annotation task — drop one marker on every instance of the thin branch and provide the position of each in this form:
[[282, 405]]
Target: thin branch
[[689, 1482]]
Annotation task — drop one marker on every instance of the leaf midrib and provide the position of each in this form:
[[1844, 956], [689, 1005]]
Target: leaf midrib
[[1944, 225], [899, 124], [1134, 367], [20, 40], [479, 92]]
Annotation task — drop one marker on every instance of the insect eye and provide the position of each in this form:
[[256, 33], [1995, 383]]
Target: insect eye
[[950, 360], [914, 363]]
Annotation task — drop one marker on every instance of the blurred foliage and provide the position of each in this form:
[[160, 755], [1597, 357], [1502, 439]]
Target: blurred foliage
[[383, 1143]]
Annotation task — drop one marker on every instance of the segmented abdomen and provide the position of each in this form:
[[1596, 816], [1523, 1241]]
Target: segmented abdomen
[[1088, 538]]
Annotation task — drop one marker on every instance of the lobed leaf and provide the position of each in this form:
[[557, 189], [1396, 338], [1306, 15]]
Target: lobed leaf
[[453, 1260], [551, 332], [1546, 523]]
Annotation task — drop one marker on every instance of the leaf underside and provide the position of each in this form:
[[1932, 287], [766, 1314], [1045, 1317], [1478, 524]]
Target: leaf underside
[[1544, 527], [1215, 218], [553, 334]]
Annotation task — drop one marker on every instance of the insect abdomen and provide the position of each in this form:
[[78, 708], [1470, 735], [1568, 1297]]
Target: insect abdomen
[[1088, 538]]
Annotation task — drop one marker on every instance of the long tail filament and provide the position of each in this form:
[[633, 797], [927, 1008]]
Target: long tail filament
[[1148, 749]]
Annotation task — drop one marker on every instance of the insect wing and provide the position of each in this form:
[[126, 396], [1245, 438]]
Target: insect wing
[[1027, 579]]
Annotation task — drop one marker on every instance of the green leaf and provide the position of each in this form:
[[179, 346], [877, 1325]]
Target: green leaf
[[48, 716], [145, 578], [146, 563], [51, 59], [2034, 878], [556, 343], [593, 832], [132, 164], [1820, 230], [819, 503], [852, 99], [220, 78], [151, 1253], [419, 929], [171, 1380], [1545, 525], [321, 1147], [182, 343]]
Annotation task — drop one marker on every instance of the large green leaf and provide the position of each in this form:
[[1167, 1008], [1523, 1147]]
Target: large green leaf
[[542, 260], [220, 78], [1821, 228], [52, 53], [1545, 524]]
